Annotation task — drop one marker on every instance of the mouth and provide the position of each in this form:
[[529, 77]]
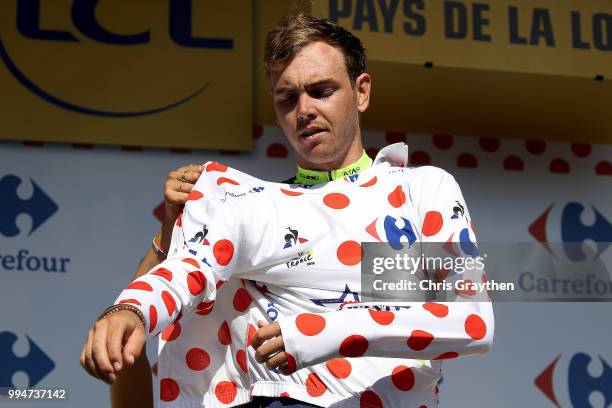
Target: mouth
[[309, 132]]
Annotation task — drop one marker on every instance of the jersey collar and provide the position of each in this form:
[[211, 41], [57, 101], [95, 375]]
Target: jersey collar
[[305, 176]]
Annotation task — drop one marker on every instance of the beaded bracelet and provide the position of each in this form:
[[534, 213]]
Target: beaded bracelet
[[117, 308]]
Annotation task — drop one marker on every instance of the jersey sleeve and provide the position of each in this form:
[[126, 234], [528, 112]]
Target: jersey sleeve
[[459, 322], [206, 250]]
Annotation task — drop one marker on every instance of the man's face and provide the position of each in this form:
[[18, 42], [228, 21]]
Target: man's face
[[317, 108]]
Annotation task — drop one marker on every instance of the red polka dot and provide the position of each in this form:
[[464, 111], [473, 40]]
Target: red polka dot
[[226, 391], [353, 346], [154, 369], [422, 406], [169, 302], [443, 141], [420, 158], [250, 334], [432, 224], [382, 317], [310, 324], [224, 335], [339, 367], [242, 300], [179, 219], [489, 144], [205, 308], [197, 359], [475, 327], [441, 274], [214, 166], [196, 282], [403, 378], [513, 163], [241, 360], [277, 151], [192, 261], [314, 386], [164, 273], [559, 166], [603, 168], [223, 250], [284, 395], [370, 183], [369, 399], [219, 284], [397, 197], [139, 285], [291, 364], [581, 149], [419, 340], [349, 253], [446, 356], [467, 160], [291, 193], [172, 332], [132, 301], [222, 180], [337, 201], [168, 389], [152, 318], [465, 290], [194, 195], [535, 147], [436, 309]]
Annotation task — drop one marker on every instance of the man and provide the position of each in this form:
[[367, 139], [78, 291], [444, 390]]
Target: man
[[301, 248]]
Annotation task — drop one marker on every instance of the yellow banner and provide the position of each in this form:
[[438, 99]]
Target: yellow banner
[[151, 73], [558, 37]]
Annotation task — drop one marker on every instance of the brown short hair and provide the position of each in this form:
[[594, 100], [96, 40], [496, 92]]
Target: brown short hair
[[294, 32]]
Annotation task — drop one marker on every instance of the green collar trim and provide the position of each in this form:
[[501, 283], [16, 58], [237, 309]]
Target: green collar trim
[[304, 176]]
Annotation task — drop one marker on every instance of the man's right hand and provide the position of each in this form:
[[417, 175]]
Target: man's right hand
[[112, 343]]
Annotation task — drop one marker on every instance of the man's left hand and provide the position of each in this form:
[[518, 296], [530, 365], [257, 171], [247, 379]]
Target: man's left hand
[[270, 348]]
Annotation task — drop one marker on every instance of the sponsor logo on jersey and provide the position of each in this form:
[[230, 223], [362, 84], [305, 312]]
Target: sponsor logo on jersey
[[36, 364], [301, 259], [292, 238], [347, 296], [200, 236]]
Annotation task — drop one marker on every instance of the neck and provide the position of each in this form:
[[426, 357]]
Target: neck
[[309, 176]]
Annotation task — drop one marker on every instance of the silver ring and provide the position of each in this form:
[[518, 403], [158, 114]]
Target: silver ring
[[180, 186]]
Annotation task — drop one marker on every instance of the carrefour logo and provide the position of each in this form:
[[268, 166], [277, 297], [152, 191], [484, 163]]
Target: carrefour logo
[[565, 224], [36, 364], [83, 41], [40, 207], [569, 381]]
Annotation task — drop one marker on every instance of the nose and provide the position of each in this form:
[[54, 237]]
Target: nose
[[305, 108]]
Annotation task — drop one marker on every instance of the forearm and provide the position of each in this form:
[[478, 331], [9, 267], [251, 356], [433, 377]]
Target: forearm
[[133, 388]]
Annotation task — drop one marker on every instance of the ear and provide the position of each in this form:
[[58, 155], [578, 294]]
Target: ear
[[363, 86]]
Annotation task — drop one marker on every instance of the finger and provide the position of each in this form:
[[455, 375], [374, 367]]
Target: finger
[[192, 176], [134, 345], [261, 324], [259, 337], [100, 351], [268, 349], [114, 343], [175, 197], [277, 360], [89, 363]]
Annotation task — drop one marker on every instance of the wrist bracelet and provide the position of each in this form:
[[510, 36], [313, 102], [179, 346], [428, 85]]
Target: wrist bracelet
[[155, 247], [117, 308]]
